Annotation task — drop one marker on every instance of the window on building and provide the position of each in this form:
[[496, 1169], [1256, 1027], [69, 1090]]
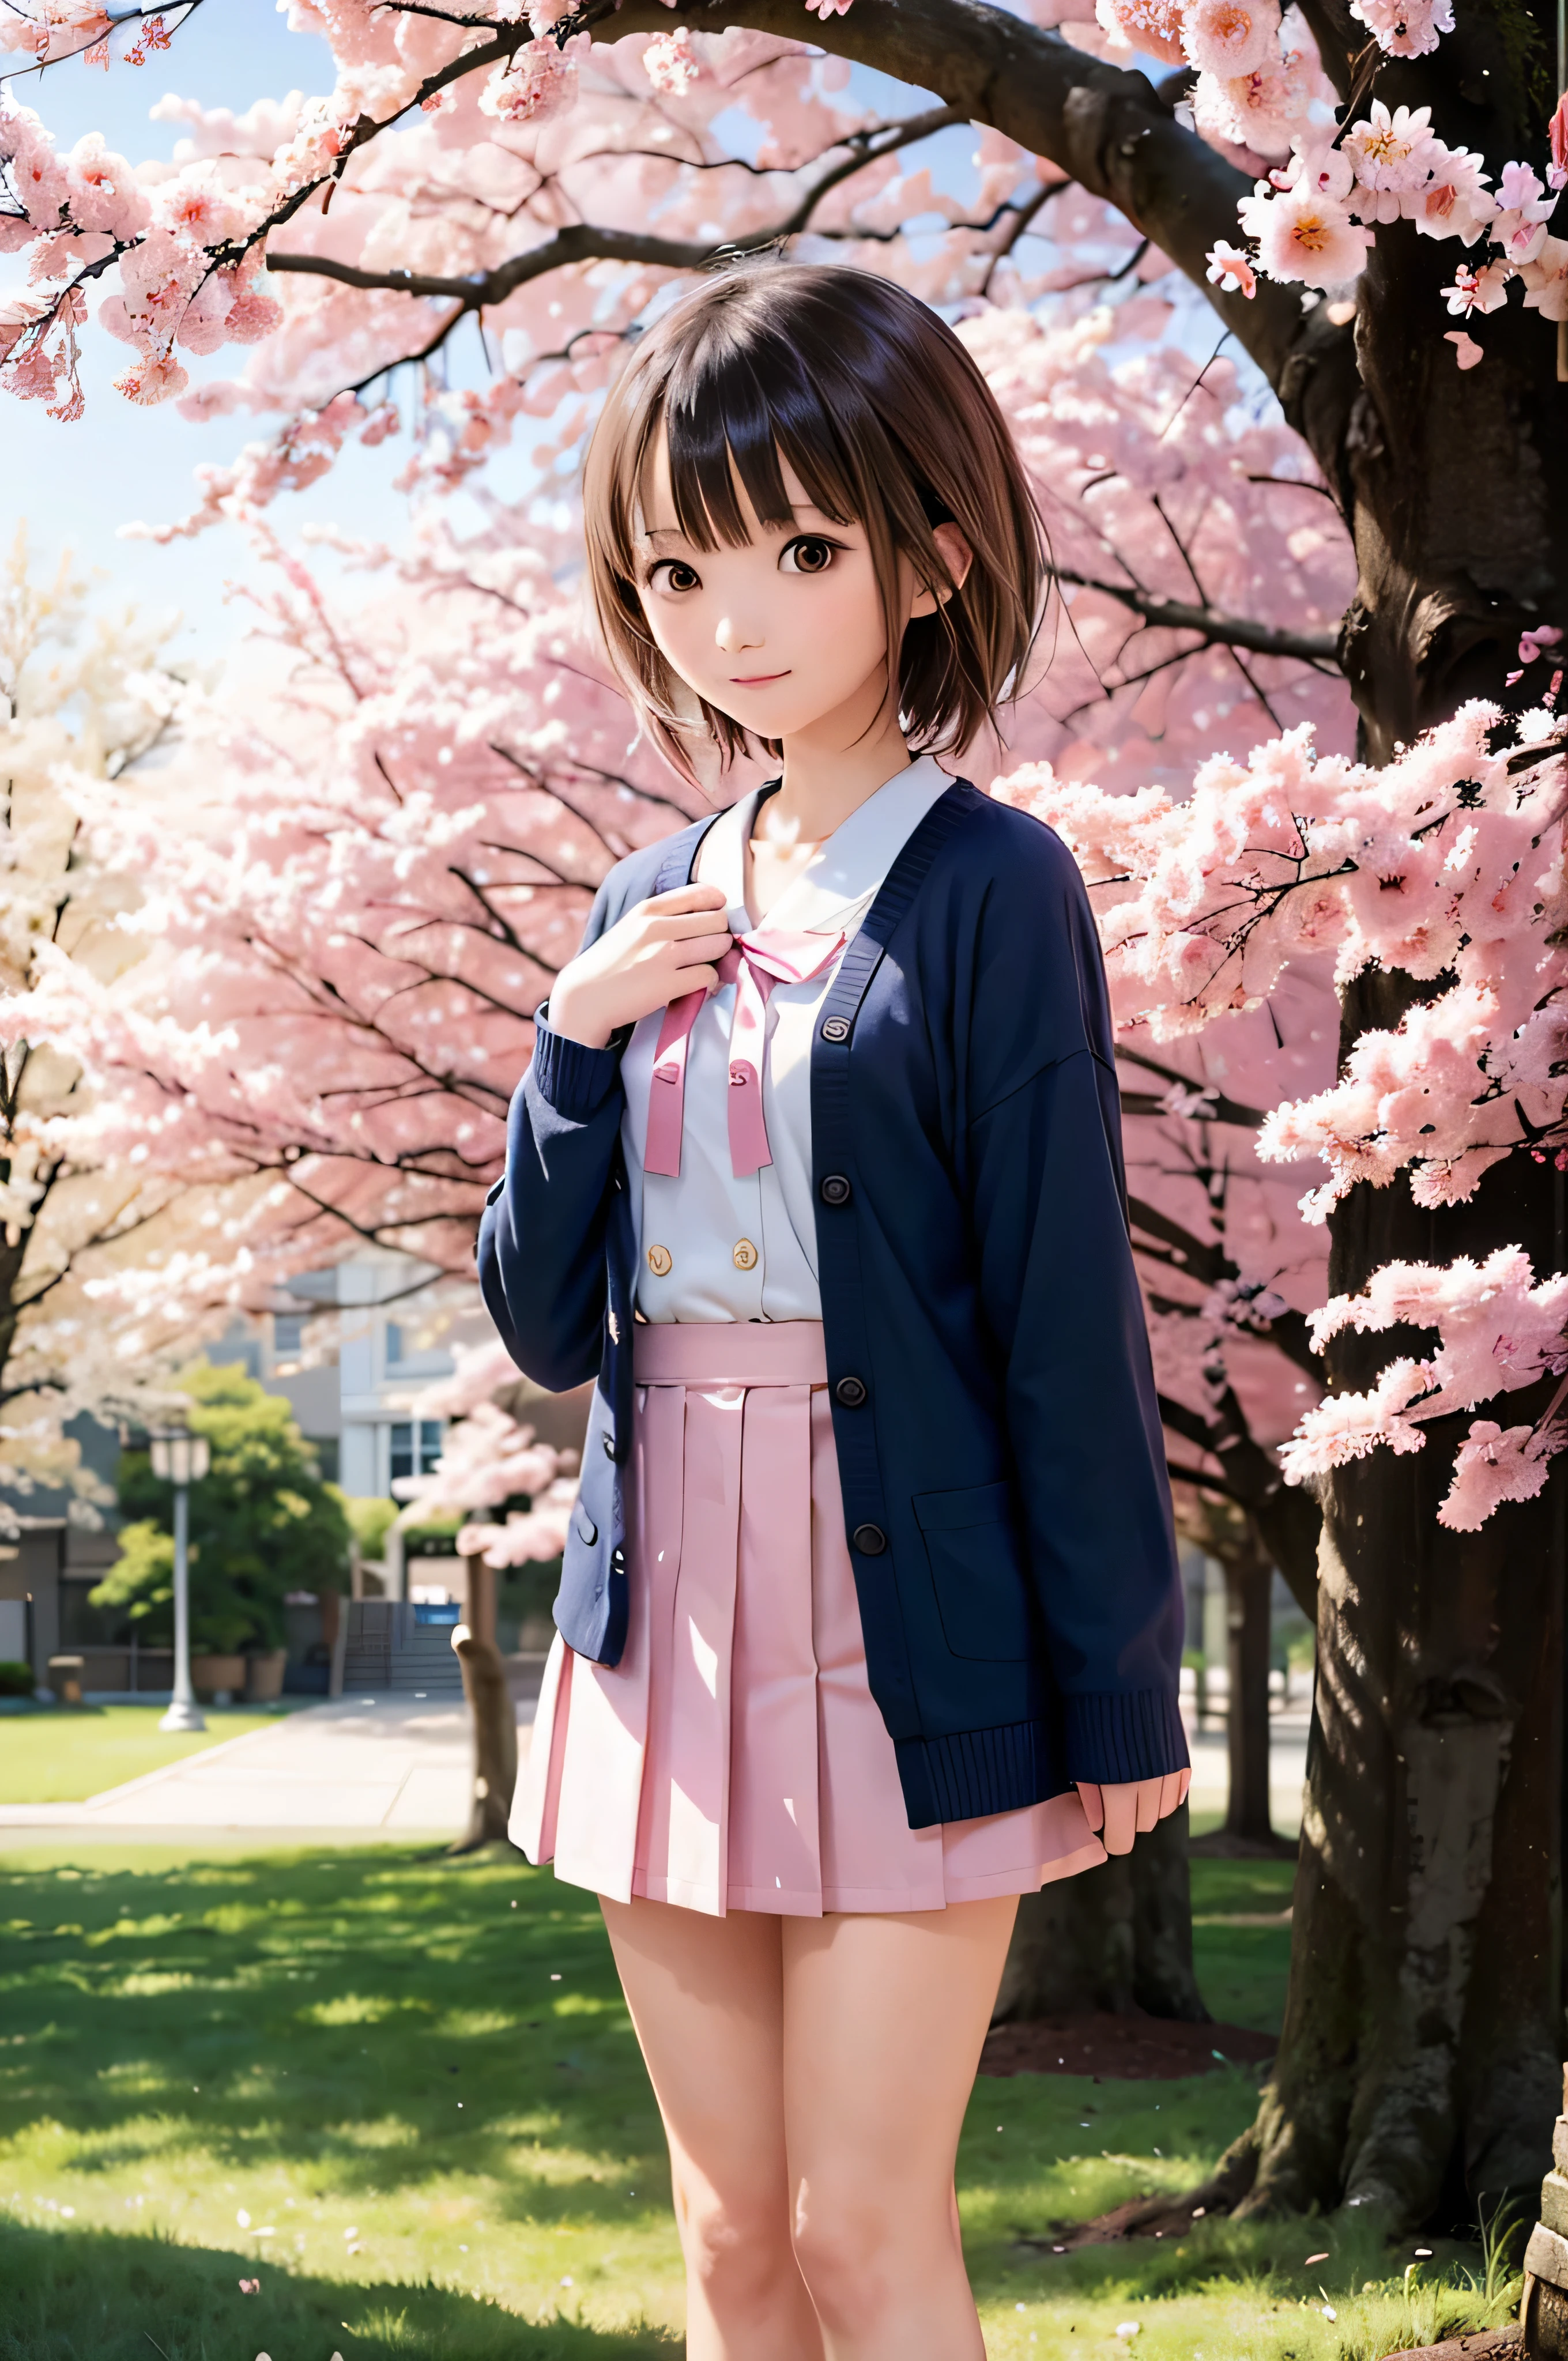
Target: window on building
[[395, 1345], [414, 1440], [288, 1334]]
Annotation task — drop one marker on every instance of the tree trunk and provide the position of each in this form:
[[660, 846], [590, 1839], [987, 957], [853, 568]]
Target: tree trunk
[[1418, 2069], [1248, 1582], [494, 1715], [1118, 1937]]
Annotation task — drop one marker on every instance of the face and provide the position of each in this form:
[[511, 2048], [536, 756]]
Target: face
[[785, 632]]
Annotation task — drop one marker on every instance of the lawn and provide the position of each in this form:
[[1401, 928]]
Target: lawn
[[402, 2093], [64, 1757]]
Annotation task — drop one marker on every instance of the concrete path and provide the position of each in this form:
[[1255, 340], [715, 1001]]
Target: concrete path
[[358, 1768], [364, 1769]]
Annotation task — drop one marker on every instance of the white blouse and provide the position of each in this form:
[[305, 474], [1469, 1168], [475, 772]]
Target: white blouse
[[712, 1245]]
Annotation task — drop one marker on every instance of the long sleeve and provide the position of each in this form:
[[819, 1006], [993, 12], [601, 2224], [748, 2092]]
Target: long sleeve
[[1060, 1295], [542, 1238]]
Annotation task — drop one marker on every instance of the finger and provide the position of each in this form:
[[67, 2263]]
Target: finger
[[1121, 1818], [1088, 1796], [698, 979], [1146, 1796], [682, 925], [685, 897], [698, 947]]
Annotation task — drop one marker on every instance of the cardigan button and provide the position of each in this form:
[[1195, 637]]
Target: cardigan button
[[609, 1442], [661, 1261], [850, 1392], [869, 1539], [836, 1028], [834, 1189], [745, 1255]]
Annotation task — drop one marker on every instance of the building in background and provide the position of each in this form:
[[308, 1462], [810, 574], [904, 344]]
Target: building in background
[[353, 1349]]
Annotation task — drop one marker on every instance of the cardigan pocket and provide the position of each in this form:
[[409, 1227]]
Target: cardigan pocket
[[976, 1572]]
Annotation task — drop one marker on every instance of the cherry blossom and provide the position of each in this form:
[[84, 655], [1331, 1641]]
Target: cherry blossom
[[1405, 28], [1228, 266], [1153, 26], [1226, 38], [1304, 237]]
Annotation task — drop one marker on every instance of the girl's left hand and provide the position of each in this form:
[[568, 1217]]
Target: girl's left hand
[[1118, 1814]]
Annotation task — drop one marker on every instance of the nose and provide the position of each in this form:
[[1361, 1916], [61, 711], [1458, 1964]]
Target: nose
[[733, 633]]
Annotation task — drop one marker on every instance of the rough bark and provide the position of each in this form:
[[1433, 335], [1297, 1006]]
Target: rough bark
[[1119, 1937], [1418, 2064]]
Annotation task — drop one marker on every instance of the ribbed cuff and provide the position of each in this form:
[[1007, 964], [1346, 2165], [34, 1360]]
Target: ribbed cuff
[[1114, 1737], [573, 1079]]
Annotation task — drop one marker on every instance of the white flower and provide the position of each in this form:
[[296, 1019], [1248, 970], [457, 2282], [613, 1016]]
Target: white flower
[[1478, 290], [537, 84], [1255, 110], [1304, 237], [1229, 266], [1406, 28], [1456, 202], [1231, 37], [1392, 157], [1546, 279]]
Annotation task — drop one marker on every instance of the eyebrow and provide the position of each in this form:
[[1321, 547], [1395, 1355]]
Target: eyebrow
[[674, 532]]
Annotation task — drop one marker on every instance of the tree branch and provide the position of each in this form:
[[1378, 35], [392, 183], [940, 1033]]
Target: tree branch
[[583, 242], [1214, 630], [1106, 128]]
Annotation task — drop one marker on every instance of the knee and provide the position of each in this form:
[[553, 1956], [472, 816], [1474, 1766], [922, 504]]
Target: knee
[[847, 2248], [736, 2246]]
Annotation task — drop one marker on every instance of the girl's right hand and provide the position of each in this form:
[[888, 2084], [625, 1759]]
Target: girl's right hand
[[662, 950]]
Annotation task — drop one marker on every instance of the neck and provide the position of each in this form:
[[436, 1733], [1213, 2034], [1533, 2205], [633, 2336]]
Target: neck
[[832, 768]]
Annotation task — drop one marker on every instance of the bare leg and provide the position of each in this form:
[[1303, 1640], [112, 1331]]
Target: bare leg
[[884, 2021], [707, 1998]]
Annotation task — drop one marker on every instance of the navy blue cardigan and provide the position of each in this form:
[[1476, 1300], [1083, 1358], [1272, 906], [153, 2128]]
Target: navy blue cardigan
[[999, 1440]]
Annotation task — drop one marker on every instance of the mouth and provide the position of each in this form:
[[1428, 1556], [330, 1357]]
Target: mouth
[[758, 679]]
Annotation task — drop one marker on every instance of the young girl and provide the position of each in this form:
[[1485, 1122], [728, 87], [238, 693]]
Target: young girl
[[870, 1618]]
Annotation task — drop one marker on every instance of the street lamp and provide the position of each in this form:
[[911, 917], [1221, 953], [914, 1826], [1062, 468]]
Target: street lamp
[[182, 1458]]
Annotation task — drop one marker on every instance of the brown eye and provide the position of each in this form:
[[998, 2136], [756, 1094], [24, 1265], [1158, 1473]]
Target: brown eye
[[674, 574], [808, 554]]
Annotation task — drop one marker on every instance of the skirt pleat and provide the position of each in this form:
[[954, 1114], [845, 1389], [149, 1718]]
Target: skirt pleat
[[735, 1759]]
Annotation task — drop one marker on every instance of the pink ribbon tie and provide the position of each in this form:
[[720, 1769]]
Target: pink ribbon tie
[[754, 964]]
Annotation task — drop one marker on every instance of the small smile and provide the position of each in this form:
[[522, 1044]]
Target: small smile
[[757, 679]]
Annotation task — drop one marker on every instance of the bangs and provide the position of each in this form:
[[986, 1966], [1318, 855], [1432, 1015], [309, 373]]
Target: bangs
[[721, 425], [876, 405]]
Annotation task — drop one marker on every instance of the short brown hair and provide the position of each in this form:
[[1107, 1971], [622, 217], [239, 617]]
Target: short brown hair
[[888, 424]]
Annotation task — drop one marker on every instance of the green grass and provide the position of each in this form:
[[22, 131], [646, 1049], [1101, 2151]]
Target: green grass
[[65, 1756], [434, 2057]]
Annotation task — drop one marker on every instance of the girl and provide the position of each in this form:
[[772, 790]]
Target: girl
[[869, 1619]]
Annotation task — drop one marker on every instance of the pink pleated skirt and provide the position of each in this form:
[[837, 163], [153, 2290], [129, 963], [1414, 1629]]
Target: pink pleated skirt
[[735, 1757]]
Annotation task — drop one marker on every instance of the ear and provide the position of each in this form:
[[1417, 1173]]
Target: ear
[[957, 556]]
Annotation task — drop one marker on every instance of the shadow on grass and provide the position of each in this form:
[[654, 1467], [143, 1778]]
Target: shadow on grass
[[374, 2020], [95, 2297]]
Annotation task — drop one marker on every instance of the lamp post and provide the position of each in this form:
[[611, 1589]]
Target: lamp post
[[182, 1458]]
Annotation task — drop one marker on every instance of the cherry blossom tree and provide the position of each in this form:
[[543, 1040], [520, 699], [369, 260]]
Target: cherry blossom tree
[[525, 185], [83, 696]]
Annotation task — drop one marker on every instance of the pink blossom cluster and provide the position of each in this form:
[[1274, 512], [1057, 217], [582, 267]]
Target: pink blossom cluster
[[1447, 865], [1498, 1332], [1314, 221]]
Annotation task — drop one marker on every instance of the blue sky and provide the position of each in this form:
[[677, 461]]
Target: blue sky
[[76, 485]]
